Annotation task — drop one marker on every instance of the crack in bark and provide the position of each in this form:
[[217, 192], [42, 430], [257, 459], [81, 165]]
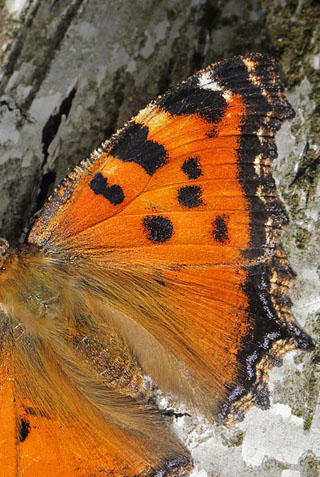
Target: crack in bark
[[49, 132]]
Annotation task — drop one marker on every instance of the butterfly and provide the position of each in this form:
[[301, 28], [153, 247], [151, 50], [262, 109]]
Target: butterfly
[[159, 255]]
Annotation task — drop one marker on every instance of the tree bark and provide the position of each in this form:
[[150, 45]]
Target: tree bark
[[72, 72]]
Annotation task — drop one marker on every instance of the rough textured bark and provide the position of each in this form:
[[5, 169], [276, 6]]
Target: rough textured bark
[[72, 72]]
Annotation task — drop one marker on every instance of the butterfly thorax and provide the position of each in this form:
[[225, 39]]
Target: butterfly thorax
[[20, 271], [45, 304]]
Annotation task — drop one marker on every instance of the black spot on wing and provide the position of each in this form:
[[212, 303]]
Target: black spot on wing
[[24, 429], [159, 229], [132, 145], [190, 196], [191, 167], [99, 185], [189, 98], [220, 229]]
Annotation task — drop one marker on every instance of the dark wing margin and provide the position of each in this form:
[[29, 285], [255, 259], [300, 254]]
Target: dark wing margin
[[273, 332]]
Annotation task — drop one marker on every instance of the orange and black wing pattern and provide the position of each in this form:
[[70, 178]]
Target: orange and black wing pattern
[[167, 240]]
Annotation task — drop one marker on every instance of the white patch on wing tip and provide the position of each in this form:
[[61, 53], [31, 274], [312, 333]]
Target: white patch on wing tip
[[205, 81], [227, 96]]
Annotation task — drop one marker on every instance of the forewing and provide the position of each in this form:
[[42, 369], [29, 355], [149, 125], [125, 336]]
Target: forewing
[[183, 198]]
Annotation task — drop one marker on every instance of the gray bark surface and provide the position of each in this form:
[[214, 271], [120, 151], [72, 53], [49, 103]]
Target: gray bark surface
[[73, 71]]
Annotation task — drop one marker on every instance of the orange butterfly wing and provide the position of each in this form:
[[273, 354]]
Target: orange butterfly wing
[[41, 436], [160, 165], [184, 192], [34, 445], [168, 236]]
